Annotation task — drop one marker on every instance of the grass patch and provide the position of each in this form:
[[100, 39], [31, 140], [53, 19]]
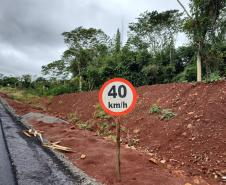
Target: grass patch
[[104, 128], [155, 109], [133, 142], [103, 125], [72, 117], [112, 137], [99, 112], [20, 95], [85, 125], [165, 114]]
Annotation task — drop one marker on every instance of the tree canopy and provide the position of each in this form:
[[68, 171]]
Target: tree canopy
[[149, 55]]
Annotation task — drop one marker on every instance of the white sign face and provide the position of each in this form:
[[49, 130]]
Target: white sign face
[[117, 96]]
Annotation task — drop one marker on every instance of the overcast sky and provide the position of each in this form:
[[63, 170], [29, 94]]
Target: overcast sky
[[30, 31]]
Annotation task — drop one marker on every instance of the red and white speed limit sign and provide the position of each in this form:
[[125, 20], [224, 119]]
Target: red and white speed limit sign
[[117, 96]]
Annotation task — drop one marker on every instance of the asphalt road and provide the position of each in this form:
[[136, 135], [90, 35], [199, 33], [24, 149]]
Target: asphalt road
[[6, 172], [31, 163]]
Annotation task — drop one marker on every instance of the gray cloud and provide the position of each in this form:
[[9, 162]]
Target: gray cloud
[[30, 31]]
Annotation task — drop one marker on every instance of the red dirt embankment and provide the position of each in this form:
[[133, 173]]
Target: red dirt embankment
[[189, 146]]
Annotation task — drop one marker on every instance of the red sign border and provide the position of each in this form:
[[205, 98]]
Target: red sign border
[[125, 111]]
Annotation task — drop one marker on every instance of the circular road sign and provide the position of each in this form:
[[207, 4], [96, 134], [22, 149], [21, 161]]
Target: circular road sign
[[117, 96]]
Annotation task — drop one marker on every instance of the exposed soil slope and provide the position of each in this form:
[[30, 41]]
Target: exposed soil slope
[[193, 141]]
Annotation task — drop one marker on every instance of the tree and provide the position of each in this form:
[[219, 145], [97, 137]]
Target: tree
[[56, 69], [152, 37], [26, 81], [9, 81], [155, 30], [118, 42], [149, 55], [203, 25], [84, 45]]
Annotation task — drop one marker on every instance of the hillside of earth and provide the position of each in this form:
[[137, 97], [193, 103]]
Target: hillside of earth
[[178, 127]]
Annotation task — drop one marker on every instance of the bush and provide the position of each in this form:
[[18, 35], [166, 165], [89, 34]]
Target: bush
[[155, 109], [99, 112], [167, 114], [85, 126], [214, 77], [19, 95], [57, 90], [104, 129], [188, 75], [191, 73], [180, 77], [72, 117]]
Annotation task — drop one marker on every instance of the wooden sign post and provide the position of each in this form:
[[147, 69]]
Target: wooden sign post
[[118, 162], [117, 97]]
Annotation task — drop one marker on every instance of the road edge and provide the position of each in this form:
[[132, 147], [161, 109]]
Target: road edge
[[59, 156]]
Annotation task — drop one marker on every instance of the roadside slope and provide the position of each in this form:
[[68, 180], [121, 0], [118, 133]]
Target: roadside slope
[[193, 141]]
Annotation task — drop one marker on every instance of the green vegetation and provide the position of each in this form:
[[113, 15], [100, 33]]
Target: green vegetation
[[148, 56], [165, 114], [72, 117], [104, 129], [133, 142], [103, 125], [19, 95], [205, 26], [155, 109], [214, 77], [85, 125], [112, 137], [99, 112]]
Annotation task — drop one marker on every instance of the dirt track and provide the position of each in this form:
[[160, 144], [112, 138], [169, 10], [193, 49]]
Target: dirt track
[[191, 145]]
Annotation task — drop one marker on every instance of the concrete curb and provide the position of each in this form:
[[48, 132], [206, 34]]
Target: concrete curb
[[59, 156]]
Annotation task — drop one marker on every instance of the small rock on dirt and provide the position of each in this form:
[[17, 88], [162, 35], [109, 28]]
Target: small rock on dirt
[[196, 181], [136, 131], [83, 156], [153, 160], [168, 166], [189, 126]]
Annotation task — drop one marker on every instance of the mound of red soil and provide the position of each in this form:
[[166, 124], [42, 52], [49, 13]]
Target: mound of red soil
[[193, 141], [100, 158]]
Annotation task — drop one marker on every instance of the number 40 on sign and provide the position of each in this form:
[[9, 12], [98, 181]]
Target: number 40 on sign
[[117, 97]]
